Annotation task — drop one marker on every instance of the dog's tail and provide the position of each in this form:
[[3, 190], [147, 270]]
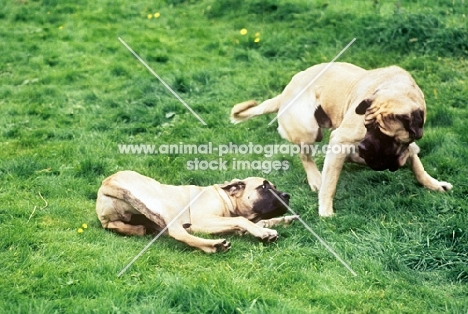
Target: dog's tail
[[249, 109]]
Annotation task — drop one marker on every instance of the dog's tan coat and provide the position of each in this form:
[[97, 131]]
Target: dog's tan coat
[[339, 90], [214, 209]]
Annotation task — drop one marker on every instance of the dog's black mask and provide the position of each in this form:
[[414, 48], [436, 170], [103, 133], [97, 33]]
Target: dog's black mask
[[268, 205], [380, 151]]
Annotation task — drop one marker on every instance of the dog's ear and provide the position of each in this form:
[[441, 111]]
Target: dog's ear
[[417, 122], [363, 106], [413, 123], [234, 187]]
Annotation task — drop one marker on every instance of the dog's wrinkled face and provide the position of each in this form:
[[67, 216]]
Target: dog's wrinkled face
[[380, 151], [255, 200], [385, 145]]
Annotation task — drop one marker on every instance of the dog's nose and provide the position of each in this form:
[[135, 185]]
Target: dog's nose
[[285, 195]]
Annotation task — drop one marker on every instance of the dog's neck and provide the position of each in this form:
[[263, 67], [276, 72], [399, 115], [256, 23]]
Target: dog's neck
[[225, 198]]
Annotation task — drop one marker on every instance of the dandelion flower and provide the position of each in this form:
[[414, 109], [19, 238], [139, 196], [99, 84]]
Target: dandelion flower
[[80, 230], [150, 16], [61, 26], [156, 15], [257, 34], [257, 40], [243, 31], [84, 226]]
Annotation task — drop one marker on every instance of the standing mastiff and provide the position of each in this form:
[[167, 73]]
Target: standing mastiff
[[132, 204], [379, 112]]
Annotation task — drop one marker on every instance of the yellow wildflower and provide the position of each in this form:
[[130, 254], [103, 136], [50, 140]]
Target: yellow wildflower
[[257, 34], [80, 230], [156, 15], [84, 226], [243, 31], [150, 16], [257, 40]]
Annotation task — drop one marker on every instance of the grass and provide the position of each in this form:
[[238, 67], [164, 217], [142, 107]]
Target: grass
[[70, 92]]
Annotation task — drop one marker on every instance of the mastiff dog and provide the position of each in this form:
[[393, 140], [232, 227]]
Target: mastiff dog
[[132, 204], [379, 113]]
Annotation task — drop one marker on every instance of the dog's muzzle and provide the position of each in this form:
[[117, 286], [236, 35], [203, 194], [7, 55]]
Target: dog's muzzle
[[285, 197], [268, 205], [382, 152]]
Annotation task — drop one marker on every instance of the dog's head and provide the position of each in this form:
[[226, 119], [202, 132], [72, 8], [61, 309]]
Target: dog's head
[[254, 198], [392, 125]]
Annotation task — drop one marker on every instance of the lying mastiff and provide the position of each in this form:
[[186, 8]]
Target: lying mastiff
[[132, 204], [379, 113]]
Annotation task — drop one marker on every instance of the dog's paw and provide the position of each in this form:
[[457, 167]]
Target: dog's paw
[[314, 187], [326, 212], [315, 182], [444, 186], [435, 185], [289, 219], [269, 235], [222, 246]]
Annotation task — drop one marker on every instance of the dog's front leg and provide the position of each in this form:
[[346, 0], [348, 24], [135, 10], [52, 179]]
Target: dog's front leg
[[206, 245], [421, 175], [285, 221], [240, 225], [332, 166]]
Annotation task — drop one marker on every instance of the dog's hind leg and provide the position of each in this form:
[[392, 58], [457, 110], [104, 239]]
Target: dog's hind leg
[[116, 215], [125, 229], [314, 178], [299, 124]]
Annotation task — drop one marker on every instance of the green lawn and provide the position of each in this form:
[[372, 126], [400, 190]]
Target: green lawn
[[70, 93]]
